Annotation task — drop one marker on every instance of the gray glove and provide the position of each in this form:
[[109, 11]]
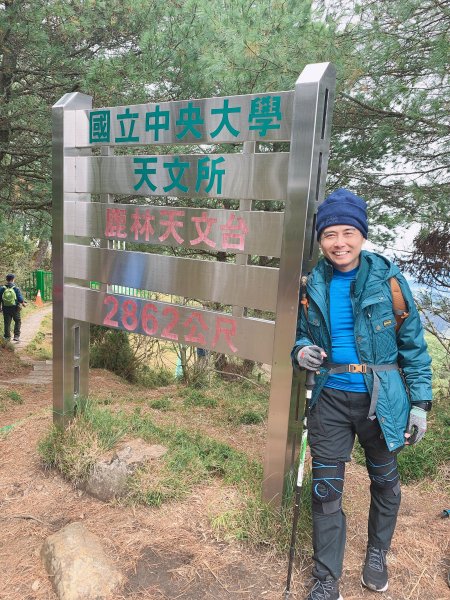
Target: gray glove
[[417, 425], [310, 357]]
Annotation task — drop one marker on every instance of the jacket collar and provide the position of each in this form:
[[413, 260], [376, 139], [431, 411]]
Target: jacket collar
[[374, 270]]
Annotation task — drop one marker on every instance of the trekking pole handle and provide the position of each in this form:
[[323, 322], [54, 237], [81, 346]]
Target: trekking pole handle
[[310, 380]]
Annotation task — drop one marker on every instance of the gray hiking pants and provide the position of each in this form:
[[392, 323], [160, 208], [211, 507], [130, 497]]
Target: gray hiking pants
[[332, 425]]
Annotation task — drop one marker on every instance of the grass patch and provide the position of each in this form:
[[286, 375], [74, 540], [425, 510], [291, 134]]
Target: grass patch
[[8, 397], [251, 417], [261, 525], [41, 345], [154, 377], [73, 452], [243, 403], [191, 459], [425, 458], [162, 404], [195, 397], [15, 397], [7, 345]]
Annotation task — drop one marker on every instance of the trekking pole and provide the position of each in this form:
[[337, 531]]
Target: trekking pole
[[298, 490]]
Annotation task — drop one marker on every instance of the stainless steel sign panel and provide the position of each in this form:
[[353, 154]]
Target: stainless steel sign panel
[[254, 287], [311, 126], [255, 176], [190, 325], [70, 339], [247, 232], [302, 117], [258, 117]]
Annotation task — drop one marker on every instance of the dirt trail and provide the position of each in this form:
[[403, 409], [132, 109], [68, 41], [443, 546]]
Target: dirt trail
[[41, 370], [172, 552]]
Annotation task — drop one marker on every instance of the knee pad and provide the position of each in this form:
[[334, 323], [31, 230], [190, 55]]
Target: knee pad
[[327, 485], [384, 475]]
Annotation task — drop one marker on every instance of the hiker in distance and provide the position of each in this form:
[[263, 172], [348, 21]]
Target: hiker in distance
[[11, 302], [372, 380]]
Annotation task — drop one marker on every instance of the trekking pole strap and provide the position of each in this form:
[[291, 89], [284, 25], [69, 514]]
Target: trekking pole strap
[[336, 369]]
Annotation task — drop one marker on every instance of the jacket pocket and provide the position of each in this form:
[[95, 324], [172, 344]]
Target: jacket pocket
[[384, 338]]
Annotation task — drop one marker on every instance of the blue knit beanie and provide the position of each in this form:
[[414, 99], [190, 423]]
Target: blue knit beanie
[[342, 207]]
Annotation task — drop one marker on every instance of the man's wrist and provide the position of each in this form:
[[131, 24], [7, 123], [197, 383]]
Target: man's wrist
[[424, 405]]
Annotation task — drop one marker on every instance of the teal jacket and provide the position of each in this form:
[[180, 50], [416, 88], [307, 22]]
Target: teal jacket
[[376, 339]]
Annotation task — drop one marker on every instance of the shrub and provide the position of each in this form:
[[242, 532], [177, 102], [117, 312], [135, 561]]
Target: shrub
[[193, 397], [153, 378], [110, 349], [250, 417], [163, 404]]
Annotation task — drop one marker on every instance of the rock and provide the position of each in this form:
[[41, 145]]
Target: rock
[[108, 479], [77, 565], [136, 452]]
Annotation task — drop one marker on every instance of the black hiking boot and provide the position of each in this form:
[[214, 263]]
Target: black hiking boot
[[327, 589], [375, 573]]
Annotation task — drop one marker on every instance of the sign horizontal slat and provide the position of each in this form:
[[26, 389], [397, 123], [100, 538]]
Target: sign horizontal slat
[[214, 230], [261, 176], [255, 117], [217, 331], [231, 284]]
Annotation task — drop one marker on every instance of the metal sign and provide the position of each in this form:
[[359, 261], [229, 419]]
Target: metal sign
[[235, 119], [150, 208]]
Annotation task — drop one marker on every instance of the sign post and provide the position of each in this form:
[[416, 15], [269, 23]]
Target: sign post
[[86, 167]]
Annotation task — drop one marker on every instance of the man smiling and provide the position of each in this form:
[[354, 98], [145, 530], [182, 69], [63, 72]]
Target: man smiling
[[347, 334]]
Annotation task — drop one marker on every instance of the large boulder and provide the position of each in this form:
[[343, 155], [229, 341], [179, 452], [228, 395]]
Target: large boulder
[[78, 566]]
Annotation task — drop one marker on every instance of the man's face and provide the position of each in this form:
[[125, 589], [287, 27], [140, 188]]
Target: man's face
[[342, 244]]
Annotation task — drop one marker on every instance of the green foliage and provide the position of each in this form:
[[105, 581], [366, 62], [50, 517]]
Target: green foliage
[[40, 346], [6, 429], [16, 249], [244, 402], [74, 452], [260, 524], [15, 397], [8, 397], [153, 377], [194, 397], [163, 404], [110, 349], [250, 418], [390, 133], [191, 458], [424, 459]]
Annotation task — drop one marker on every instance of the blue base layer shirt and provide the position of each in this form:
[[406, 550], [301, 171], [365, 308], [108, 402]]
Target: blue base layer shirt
[[343, 333]]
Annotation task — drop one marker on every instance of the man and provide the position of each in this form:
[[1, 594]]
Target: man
[[11, 302], [371, 380]]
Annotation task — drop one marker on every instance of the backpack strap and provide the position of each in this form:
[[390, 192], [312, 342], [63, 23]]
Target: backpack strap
[[303, 296], [398, 303]]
